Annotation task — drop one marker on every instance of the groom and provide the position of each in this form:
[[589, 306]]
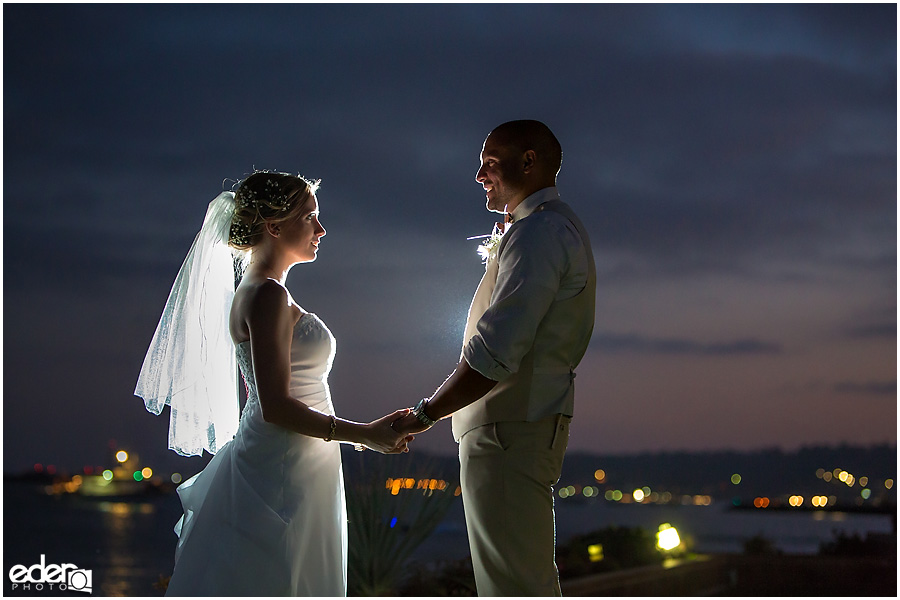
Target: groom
[[512, 394]]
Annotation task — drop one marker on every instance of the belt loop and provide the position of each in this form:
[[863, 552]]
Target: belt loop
[[557, 428]]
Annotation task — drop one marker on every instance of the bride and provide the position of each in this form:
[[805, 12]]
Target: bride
[[267, 515]]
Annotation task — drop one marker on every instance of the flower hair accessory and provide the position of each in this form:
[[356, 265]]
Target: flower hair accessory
[[275, 199], [271, 197]]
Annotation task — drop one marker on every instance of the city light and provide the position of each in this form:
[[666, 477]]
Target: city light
[[735, 479], [408, 483], [761, 502], [147, 472], [796, 501], [176, 478], [107, 475], [613, 495], [667, 537], [600, 475], [595, 552], [889, 483], [866, 493], [121, 456], [638, 495]]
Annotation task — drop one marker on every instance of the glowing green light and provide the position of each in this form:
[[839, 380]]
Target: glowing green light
[[137, 476]]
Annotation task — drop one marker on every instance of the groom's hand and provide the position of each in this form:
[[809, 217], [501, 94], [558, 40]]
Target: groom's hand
[[408, 425]]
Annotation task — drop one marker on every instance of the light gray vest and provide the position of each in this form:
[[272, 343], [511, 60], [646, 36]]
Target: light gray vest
[[533, 393]]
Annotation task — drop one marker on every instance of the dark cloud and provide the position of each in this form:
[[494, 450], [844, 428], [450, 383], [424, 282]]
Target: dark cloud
[[886, 331], [637, 344], [873, 388]]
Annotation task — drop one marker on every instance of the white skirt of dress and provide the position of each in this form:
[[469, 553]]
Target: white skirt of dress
[[266, 517]]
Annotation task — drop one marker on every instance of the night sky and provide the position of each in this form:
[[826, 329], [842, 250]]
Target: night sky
[[736, 166]]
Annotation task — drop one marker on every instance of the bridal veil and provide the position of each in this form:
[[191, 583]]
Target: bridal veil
[[191, 363]]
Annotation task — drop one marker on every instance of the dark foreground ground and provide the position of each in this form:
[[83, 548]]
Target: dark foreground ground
[[741, 575]]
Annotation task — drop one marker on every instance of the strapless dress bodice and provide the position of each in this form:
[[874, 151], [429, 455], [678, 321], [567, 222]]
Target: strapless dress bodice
[[312, 355]]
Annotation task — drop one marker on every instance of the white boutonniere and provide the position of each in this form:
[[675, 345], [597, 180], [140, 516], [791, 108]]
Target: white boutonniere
[[488, 249]]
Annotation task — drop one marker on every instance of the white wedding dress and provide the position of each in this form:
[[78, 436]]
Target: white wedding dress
[[267, 516]]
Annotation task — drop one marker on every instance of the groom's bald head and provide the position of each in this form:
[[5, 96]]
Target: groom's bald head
[[527, 135]]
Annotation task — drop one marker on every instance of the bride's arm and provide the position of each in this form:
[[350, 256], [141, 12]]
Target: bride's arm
[[271, 322]]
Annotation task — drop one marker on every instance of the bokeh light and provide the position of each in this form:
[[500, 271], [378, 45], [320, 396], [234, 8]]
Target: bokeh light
[[667, 537]]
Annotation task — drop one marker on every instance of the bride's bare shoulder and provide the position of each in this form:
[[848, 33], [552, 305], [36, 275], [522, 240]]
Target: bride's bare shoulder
[[262, 295], [257, 302]]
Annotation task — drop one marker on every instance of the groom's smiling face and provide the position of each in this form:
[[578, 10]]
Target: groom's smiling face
[[500, 174]]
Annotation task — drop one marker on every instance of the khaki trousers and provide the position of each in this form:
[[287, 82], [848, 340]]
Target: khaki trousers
[[508, 471]]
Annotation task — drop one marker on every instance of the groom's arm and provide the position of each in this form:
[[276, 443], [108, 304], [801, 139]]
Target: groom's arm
[[464, 386], [528, 280]]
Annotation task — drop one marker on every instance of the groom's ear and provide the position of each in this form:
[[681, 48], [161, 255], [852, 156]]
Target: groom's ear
[[529, 159]]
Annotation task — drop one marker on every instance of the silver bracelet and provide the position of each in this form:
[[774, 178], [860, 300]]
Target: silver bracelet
[[419, 412]]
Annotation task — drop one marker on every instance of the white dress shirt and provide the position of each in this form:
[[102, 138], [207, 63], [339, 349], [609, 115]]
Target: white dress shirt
[[543, 261]]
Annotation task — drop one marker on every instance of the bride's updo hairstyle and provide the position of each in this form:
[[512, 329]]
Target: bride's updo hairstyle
[[266, 197]]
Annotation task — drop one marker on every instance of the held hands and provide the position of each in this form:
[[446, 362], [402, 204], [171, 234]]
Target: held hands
[[383, 438], [409, 424]]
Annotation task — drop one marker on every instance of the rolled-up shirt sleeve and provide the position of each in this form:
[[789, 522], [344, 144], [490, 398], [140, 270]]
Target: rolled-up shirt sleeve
[[532, 264]]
